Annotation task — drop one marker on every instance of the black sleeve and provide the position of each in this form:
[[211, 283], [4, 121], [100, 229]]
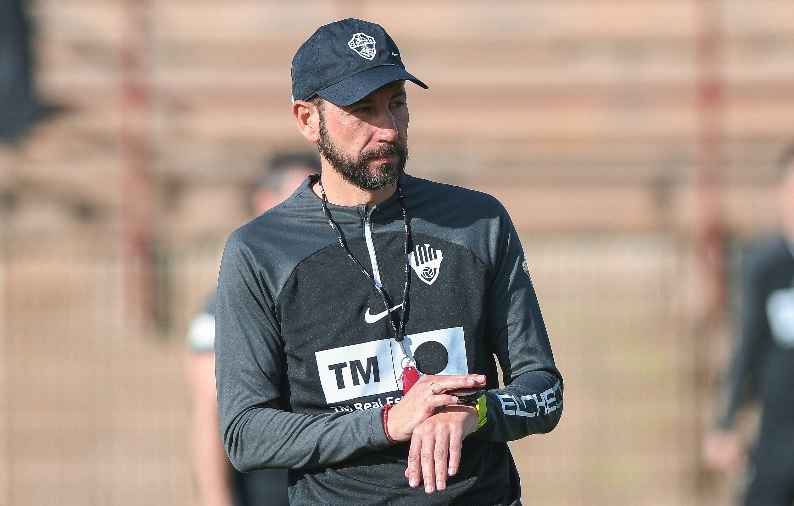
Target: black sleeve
[[531, 400]]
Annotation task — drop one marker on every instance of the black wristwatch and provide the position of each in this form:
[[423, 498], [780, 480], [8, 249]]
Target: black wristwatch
[[470, 399]]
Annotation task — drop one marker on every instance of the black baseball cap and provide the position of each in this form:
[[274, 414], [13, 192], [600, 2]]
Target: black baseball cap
[[345, 61]]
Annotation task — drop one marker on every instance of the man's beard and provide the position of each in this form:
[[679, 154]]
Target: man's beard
[[357, 170]]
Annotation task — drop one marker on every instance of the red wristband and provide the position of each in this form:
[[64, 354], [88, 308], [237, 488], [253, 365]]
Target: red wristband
[[386, 409]]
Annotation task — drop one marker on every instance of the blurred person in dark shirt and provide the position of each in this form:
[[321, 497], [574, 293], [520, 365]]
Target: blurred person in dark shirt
[[218, 483], [762, 367]]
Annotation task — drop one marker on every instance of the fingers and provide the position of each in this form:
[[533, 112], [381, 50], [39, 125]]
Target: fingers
[[440, 464], [414, 471], [453, 462], [428, 459], [454, 382], [435, 451]]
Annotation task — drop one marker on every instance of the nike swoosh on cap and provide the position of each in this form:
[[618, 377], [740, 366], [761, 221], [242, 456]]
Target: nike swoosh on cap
[[372, 318]]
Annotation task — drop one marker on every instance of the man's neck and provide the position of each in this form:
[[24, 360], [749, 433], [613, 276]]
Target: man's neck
[[341, 192]]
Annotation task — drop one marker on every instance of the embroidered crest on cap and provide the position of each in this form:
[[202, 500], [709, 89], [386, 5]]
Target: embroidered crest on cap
[[364, 45]]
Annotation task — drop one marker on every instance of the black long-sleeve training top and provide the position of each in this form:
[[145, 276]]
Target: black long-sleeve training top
[[305, 351]]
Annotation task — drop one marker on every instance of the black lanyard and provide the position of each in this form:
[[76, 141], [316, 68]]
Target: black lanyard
[[399, 328]]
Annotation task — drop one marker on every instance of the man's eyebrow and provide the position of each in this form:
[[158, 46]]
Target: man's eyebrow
[[361, 103]]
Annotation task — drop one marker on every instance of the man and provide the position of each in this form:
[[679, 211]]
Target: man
[[218, 483], [762, 368], [360, 322]]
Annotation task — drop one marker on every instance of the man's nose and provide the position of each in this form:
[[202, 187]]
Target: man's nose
[[387, 126]]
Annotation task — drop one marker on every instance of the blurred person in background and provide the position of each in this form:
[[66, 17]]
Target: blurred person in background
[[218, 483], [762, 367], [19, 107]]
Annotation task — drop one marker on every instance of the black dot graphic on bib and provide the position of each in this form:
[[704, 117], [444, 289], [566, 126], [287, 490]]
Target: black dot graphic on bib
[[431, 357]]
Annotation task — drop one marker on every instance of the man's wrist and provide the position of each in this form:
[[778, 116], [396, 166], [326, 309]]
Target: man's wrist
[[479, 401], [385, 419]]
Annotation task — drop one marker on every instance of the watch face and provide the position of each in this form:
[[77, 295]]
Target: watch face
[[469, 399]]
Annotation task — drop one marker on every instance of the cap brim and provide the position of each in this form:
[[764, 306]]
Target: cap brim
[[352, 89]]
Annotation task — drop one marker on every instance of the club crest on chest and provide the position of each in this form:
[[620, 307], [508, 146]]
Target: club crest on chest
[[426, 262]]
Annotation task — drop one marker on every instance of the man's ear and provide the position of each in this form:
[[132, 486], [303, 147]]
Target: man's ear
[[307, 118]]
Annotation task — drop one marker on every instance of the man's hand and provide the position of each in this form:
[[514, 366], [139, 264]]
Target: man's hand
[[429, 415], [436, 447], [724, 451], [425, 398]]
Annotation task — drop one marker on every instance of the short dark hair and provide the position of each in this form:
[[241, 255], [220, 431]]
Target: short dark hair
[[281, 163]]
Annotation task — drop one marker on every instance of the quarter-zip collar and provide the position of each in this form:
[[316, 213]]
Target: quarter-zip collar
[[383, 213]]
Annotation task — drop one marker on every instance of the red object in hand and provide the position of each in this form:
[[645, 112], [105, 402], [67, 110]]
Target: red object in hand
[[410, 376]]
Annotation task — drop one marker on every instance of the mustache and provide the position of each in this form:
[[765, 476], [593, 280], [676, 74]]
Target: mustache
[[385, 150]]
